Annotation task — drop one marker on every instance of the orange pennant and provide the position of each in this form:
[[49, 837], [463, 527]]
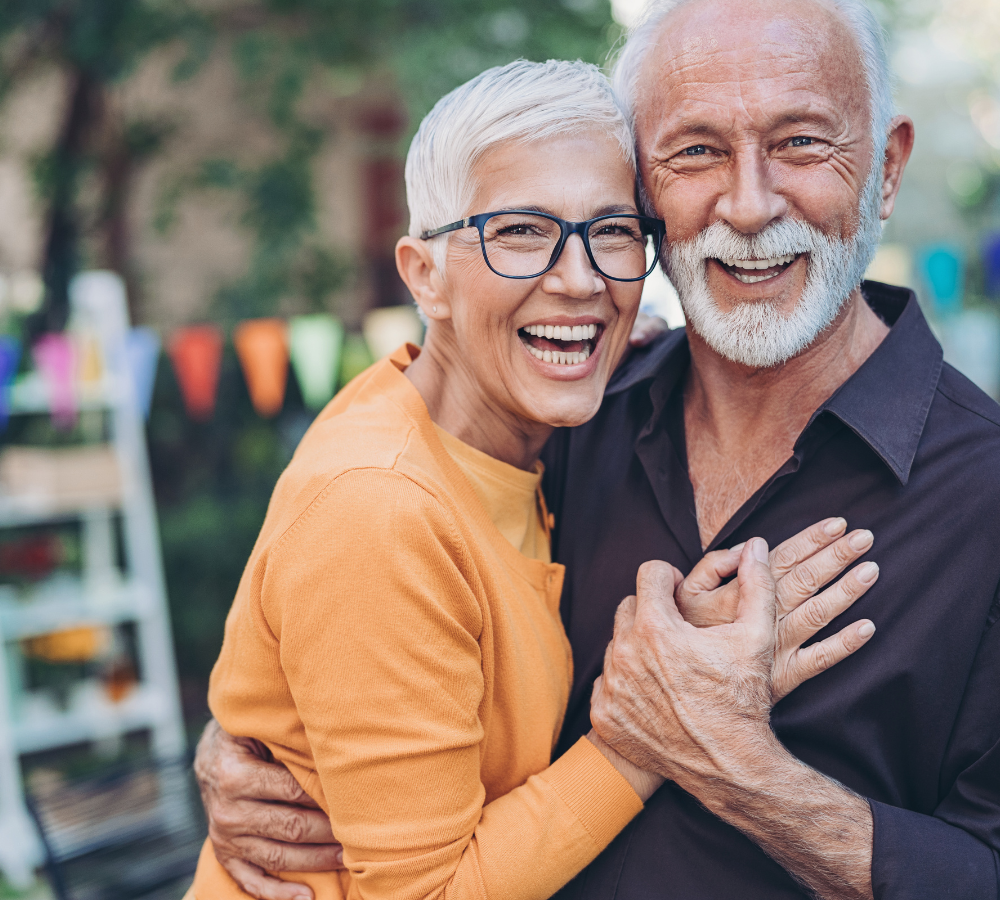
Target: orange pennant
[[262, 346], [196, 354]]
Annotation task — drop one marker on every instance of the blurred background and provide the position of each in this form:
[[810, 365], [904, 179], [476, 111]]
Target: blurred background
[[199, 201]]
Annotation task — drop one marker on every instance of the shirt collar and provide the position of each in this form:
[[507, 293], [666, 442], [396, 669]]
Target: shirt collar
[[885, 403]]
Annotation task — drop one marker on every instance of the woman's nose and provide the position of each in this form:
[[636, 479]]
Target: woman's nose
[[573, 275]]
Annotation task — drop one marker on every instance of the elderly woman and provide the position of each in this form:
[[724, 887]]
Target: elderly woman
[[396, 640]]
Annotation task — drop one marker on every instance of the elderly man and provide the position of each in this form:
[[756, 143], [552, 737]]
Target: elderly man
[[767, 143]]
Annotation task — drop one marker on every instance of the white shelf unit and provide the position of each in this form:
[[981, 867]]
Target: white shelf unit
[[104, 594]]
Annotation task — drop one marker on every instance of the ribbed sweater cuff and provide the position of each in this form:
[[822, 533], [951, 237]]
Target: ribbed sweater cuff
[[594, 790]]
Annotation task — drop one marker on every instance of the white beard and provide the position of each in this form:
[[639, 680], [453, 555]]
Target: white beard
[[758, 334]]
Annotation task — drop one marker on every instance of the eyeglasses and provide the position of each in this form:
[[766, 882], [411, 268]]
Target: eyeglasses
[[522, 243]]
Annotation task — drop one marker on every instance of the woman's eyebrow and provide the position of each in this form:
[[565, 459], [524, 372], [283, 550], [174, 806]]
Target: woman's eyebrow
[[608, 210]]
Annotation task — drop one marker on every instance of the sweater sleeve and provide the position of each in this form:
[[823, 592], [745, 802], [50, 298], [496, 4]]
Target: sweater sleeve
[[383, 606]]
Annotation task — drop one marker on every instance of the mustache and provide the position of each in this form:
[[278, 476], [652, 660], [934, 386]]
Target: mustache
[[721, 241]]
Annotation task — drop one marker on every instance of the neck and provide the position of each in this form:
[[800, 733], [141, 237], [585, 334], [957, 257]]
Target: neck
[[458, 404], [741, 424]]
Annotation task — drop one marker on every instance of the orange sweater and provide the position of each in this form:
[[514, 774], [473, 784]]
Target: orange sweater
[[409, 666]]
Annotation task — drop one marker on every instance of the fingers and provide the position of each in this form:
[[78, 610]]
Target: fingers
[[819, 611], [275, 856], [711, 570], [270, 821], [654, 585], [810, 661], [801, 546], [645, 329], [756, 604], [807, 577], [257, 883]]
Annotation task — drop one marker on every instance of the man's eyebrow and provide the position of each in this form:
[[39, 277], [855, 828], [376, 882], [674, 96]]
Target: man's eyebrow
[[686, 130]]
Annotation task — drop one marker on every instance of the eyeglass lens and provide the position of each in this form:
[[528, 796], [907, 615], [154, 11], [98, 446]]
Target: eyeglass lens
[[521, 245]]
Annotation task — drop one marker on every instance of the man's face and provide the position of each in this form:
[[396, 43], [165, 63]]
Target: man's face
[[753, 127]]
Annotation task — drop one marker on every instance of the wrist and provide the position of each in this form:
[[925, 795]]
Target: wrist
[[644, 783]]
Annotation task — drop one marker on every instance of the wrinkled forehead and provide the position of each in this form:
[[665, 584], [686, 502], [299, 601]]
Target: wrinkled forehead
[[752, 57]]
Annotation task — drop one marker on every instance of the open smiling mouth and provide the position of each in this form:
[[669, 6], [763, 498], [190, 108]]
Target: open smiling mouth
[[750, 271], [566, 345]]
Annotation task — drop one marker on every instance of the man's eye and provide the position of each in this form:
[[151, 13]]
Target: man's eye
[[802, 141], [700, 150]]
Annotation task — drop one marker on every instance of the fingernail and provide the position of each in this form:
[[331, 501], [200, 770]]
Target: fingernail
[[861, 540], [867, 572], [866, 630], [760, 549], [835, 527], [738, 548]]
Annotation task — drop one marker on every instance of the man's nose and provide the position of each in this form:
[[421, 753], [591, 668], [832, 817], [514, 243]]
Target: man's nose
[[750, 201], [573, 275]]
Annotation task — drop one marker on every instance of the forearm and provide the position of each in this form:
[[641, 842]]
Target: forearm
[[815, 828]]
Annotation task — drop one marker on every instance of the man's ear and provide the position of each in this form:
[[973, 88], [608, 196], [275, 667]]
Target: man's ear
[[420, 274], [897, 152]]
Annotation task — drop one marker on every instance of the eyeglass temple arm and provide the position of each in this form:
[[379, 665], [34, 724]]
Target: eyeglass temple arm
[[444, 229]]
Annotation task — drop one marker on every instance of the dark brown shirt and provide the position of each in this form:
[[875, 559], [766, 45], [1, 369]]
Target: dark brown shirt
[[908, 448]]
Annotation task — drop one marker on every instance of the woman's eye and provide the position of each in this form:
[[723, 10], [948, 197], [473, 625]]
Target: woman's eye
[[801, 141]]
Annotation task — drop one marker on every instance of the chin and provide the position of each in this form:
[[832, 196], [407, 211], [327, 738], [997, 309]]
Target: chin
[[568, 413]]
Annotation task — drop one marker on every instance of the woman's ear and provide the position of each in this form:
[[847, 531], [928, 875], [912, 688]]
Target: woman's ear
[[420, 274]]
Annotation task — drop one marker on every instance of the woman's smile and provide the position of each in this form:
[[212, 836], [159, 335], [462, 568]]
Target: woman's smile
[[564, 343]]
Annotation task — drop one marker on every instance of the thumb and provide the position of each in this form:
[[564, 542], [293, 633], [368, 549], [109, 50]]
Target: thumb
[[757, 591]]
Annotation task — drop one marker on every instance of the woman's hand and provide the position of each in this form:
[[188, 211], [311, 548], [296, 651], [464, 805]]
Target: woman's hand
[[800, 567]]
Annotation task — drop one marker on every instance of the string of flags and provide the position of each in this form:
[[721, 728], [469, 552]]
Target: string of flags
[[322, 355], [316, 347]]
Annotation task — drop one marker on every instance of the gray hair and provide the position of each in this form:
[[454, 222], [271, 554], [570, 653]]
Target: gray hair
[[856, 14], [522, 101]]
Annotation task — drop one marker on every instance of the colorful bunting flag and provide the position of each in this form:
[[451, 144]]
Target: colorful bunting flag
[[991, 262], [942, 268], [142, 346], [390, 327], [10, 358], [315, 342], [893, 264], [55, 358], [356, 357], [262, 346], [196, 354]]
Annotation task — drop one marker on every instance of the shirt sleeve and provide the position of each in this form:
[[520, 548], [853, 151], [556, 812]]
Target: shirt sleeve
[[379, 634], [955, 852]]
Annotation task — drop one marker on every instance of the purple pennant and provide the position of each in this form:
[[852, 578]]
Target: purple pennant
[[991, 262], [10, 358]]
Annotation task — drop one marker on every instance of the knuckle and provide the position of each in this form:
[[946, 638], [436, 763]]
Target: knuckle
[[223, 819], [292, 828], [807, 577], [270, 857], [784, 556]]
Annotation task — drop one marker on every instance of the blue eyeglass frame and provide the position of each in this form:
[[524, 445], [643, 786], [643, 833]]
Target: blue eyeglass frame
[[656, 227]]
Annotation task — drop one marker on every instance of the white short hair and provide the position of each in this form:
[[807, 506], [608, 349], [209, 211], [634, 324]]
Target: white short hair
[[855, 13], [522, 101]]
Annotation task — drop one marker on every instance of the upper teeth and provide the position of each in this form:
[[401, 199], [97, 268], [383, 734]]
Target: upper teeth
[[563, 332], [759, 263]]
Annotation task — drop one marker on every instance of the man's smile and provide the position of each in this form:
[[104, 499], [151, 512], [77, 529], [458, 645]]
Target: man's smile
[[750, 271]]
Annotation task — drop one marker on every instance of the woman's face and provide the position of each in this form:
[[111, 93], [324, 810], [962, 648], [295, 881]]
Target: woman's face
[[500, 324]]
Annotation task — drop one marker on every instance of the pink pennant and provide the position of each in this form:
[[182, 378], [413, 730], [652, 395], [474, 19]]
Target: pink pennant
[[56, 360]]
